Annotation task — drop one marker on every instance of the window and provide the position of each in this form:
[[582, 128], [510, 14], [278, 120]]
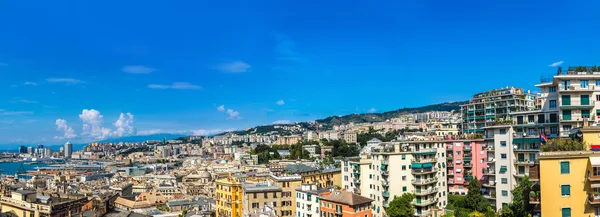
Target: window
[[564, 167], [505, 193], [403, 188], [403, 157], [552, 104], [553, 130], [585, 113], [566, 212], [552, 89], [584, 99], [403, 167], [403, 178], [502, 131], [565, 190], [566, 100], [503, 143], [503, 156], [583, 84], [504, 181], [566, 115]]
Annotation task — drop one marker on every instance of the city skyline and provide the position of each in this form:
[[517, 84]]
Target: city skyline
[[73, 72]]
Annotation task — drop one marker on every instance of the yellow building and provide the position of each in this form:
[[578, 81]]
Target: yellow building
[[288, 185], [591, 136], [324, 178], [570, 183], [228, 197], [24, 203]]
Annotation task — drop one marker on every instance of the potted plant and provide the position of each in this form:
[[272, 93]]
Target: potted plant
[[532, 196]]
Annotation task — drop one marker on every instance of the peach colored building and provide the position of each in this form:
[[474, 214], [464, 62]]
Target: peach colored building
[[466, 162], [344, 204]]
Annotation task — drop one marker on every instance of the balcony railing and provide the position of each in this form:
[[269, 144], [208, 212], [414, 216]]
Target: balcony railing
[[524, 162], [424, 171], [424, 151], [385, 183], [385, 194], [563, 88], [426, 192], [424, 181], [426, 202], [593, 178], [468, 165], [424, 160], [594, 199]]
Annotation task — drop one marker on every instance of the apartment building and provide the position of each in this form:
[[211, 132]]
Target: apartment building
[[345, 204], [487, 108], [466, 162], [25, 203], [288, 185], [563, 194], [350, 137], [444, 127], [228, 197], [307, 200], [394, 168], [257, 196], [323, 178]]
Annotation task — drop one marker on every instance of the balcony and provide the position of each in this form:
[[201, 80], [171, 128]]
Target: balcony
[[576, 118], [524, 162], [593, 178], [449, 148], [575, 88], [385, 194], [385, 162], [451, 181], [424, 181], [385, 173], [527, 149], [386, 204], [534, 197], [424, 171], [385, 183], [489, 172], [424, 160], [426, 192], [422, 203], [451, 173], [467, 148], [425, 151], [520, 175], [468, 165], [491, 196], [490, 184], [357, 181], [594, 199], [490, 148], [450, 165], [426, 213]]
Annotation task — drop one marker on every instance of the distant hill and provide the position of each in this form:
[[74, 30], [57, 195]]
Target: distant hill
[[377, 117], [159, 136]]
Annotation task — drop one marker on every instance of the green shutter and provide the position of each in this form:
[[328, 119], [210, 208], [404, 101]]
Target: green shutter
[[566, 100], [417, 166], [566, 212], [564, 167], [503, 169], [565, 190], [427, 165], [566, 115], [585, 99], [519, 119], [585, 113]]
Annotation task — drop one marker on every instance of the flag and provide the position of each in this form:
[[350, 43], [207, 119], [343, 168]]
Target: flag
[[543, 138]]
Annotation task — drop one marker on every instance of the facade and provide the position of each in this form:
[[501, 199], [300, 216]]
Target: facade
[[228, 197], [500, 159], [288, 140], [288, 185], [487, 108], [565, 195], [257, 196], [394, 168], [25, 203], [345, 204], [466, 162], [350, 137], [307, 200]]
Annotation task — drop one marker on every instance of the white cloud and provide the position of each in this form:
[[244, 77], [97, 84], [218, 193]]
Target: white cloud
[[61, 125], [372, 110], [64, 80], [282, 122], [176, 85], [11, 113], [28, 101], [30, 83], [124, 125], [233, 114], [234, 67], [555, 64], [92, 124], [221, 108], [280, 102], [138, 69]]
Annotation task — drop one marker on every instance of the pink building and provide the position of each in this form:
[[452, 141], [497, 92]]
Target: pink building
[[466, 161]]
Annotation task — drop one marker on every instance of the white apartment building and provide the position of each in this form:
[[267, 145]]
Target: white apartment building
[[501, 168], [350, 137], [396, 168], [329, 135], [307, 200]]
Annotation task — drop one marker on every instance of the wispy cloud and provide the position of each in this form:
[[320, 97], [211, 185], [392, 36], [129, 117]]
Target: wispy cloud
[[280, 102], [28, 101], [285, 49], [233, 114], [176, 85], [555, 64], [3, 64], [282, 122], [68, 132], [138, 69], [11, 113], [64, 80], [372, 110], [30, 83], [221, 108], [234, 67]]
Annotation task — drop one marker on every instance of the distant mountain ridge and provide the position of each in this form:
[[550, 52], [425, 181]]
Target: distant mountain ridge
[[143, 138], [378, 117]]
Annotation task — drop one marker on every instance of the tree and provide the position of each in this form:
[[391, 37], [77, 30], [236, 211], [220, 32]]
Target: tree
[[474, 200], [563, 144], [520, 201], [401, 206], [475, 214]]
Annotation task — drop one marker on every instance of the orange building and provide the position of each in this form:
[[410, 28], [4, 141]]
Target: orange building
[[344, 204]]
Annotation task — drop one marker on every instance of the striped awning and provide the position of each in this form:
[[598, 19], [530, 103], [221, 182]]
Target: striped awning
[[595, 161], [595, 185]]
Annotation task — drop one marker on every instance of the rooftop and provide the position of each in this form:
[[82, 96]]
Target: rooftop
[[344, 197], [299, 168]]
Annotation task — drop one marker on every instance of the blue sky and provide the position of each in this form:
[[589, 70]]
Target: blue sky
[[69, 69]]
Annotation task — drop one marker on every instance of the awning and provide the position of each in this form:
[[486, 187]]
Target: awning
[[439, 165], [427, 165], [458, 162], [458, 170], [595, 161], [503, 169], [417, 166], [596, 185]]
